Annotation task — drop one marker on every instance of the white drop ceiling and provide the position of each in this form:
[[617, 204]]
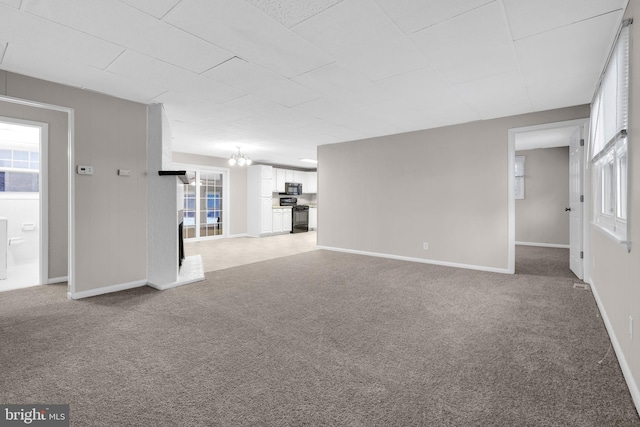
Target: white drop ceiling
[[280, 77]]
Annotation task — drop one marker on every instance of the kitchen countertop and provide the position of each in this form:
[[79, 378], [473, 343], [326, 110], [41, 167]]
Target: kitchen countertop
[[281, 207]]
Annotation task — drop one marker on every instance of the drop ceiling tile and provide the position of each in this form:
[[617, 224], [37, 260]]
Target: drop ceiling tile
[[202, 87], [248, 33], [562, 91], [496, 96], [196, 110], [361, 36], [337, 81], [131, 28], [533, 17], [474, 45], [418, 89], [157, 8], [574, 55], [348, 115], [12, 3], [24, 59], [261, 82], [292, 12], [415, 15], [137, 66], [16, 26]]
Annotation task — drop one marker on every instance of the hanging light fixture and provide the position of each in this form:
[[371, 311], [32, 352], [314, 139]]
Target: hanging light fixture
[[239, 159]]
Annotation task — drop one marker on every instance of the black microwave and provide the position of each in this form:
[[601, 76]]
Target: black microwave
[[293, 188]]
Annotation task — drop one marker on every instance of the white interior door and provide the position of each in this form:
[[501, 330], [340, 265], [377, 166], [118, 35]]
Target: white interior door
[[576, 203]]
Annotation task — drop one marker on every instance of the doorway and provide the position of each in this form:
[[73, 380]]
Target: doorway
[[546, 214], [23, 203], [205, 203]]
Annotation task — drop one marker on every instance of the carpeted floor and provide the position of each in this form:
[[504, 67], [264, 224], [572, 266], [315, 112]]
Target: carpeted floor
[[540, 261], [319, 338]]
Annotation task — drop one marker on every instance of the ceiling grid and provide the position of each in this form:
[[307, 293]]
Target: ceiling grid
[[280, 77]]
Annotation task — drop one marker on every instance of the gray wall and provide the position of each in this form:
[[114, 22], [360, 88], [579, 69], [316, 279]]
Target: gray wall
[[615, 273], [111, 211], [445, 186], [540, 216], [237, 187]]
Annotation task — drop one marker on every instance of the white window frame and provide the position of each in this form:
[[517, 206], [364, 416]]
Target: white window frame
[[198, 169], [610, 143]]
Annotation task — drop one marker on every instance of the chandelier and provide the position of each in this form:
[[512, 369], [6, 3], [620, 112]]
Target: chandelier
[[239, 159]]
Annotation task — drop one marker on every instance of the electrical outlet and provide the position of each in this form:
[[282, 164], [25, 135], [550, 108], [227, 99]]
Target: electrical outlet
[[425, 246], [631, 327]]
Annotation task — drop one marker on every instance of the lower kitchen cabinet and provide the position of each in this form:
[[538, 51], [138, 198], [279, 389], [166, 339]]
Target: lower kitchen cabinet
[[286, 219], [281, 220], [277, 220], [313, 218]]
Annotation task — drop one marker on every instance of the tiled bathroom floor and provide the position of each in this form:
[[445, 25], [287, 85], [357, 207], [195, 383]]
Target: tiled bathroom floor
[[20, 276]]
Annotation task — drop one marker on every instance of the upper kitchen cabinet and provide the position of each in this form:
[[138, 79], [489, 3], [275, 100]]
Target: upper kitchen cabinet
[[307, 179], [312, 183]]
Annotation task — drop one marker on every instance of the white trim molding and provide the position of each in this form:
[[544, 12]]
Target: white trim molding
[[624, 366], [192, 271], [71, 177], [543, 245], [420, 260], [106, 289], [54, 280]]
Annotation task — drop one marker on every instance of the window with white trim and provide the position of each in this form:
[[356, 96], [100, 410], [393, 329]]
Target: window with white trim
[[609, 141]]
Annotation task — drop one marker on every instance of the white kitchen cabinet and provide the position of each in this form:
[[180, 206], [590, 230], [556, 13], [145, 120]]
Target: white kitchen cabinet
[[313, 218], [277, 220], [286, 219], [266, 221], [300, 177], [281, 220], [259, 205], [281, 178], [288, 176], [312, 183]]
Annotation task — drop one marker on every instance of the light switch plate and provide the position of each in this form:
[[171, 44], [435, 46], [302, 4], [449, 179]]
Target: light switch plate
[[124, 172]]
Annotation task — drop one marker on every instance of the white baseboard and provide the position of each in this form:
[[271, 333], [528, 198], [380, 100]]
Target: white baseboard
[[106, 289], [626, 370], [55, 280], [192, 271], [421, 260], [543, 245]]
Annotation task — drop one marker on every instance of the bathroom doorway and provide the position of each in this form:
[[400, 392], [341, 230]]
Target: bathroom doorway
[[23, 203]]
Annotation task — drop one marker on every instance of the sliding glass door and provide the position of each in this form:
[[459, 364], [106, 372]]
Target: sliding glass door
[[205, 204]]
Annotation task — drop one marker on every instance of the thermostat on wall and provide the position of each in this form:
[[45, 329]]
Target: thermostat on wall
[[85, 170]]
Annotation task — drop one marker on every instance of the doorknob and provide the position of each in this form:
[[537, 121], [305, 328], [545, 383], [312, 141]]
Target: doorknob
[[567, 209]]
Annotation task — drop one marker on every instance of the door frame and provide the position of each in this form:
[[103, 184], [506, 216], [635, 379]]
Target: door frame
[[43, 194], [70, 181], [511, 255], [226, 200]]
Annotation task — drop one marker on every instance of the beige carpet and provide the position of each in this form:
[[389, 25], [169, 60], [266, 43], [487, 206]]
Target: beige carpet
[[540, 261], [349, 340], [219, 254]]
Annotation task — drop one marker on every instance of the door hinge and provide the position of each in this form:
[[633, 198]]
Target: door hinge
[[582, 198], [582, 143], [581, 255]]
